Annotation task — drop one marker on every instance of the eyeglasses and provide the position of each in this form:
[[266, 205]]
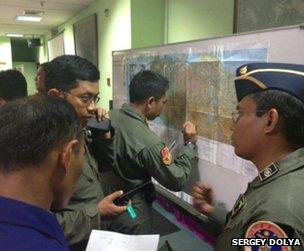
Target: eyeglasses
[[86, 99], [237, 114]]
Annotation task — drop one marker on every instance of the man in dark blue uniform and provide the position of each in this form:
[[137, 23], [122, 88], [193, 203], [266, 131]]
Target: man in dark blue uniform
[[41, 158]]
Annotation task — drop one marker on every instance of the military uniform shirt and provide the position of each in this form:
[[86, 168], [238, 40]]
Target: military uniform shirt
[[137, 158], [137, 152], [26, 227], [277, 198], [82, 214]]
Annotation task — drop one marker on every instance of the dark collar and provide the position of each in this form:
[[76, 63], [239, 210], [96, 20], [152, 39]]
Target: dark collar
[[14, 212]]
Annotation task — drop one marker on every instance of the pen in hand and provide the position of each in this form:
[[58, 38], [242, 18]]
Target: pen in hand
[[172, 145]]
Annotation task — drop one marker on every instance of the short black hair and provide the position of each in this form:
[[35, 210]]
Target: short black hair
[[64, 72], [289, 107], [43, 65], [31, 127], [146, 84], [12, 85]]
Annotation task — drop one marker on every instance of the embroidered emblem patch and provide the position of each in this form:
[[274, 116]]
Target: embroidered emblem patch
[[166, 156], [266, 229]]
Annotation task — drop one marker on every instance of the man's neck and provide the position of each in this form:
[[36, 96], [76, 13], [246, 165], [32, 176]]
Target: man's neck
[[272, 153], [27, 187], [140, 109]]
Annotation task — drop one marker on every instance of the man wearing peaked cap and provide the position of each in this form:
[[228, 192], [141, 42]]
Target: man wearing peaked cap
[[256, 77], [268, 129]]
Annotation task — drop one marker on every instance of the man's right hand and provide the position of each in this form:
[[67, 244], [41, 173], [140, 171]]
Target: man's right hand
[[102, 114], [190, 132], [203, 198], [107, 208]]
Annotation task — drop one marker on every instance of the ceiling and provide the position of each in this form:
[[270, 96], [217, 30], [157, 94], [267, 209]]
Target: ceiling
[[56, 13]]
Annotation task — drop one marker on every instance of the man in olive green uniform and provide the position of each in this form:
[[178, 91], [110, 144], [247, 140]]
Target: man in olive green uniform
[[76, 80], [268, 130], [139, 154]]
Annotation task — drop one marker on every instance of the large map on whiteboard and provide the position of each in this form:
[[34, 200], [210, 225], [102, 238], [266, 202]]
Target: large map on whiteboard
[[201, 90], [201, 75], [201, 87]]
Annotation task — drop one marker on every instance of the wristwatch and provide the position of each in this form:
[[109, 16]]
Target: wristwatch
[[190, 144]]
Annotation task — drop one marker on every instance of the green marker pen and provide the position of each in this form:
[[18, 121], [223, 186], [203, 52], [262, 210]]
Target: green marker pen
[[131, 211]]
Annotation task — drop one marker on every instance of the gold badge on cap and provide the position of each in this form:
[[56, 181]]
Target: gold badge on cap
[[243, 70], [166, 156]]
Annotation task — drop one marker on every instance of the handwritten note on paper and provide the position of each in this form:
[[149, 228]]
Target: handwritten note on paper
[[112, 241]]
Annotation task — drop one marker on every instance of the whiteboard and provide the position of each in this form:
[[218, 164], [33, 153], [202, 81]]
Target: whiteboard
[[201, 75], [56, 46]]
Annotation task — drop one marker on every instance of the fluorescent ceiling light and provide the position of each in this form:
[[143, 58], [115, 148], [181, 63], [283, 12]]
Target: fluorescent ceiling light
[[29, 18], [14, 35]]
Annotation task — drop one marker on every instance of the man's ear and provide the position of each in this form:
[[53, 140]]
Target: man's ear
[[2, 102], [68, 149], [54, 92], [150, 101], [272, 117]]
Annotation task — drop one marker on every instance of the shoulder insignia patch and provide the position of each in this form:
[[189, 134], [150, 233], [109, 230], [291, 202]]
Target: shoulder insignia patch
[[266, 229], [166, 156], [239, 204]]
